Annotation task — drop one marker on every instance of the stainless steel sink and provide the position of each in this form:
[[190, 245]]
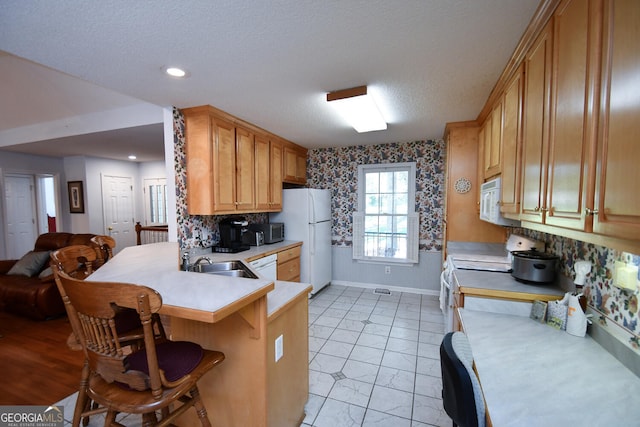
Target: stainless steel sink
[[226, 268]]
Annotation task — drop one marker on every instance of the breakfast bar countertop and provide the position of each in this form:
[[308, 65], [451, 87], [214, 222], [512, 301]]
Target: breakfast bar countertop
[[199, 296], [534, 375]]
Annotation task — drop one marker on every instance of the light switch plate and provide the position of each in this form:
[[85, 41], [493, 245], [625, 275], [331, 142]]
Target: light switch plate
[[279, 348]]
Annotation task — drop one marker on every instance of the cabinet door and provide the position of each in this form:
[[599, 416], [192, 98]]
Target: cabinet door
[[275, 175], [224, 166], [262, 173], [536, 127], [200, 135], [493, 143], [511, 145], [295, 165], [618, 173], [572, 89], [245, 169]]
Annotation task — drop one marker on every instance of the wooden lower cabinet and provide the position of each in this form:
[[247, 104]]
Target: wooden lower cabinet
[[288, 378], [289, 265]]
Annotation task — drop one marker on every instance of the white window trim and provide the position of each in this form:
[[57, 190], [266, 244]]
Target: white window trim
[[413, 219]]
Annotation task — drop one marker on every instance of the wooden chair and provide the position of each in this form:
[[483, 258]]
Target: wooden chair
[[103, 246], [78, 261], [146, 381]]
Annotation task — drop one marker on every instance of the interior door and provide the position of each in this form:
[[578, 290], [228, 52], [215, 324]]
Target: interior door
[[20, 205], [117, 200]]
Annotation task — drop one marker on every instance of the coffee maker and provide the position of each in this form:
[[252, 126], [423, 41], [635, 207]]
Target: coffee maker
[[231, 231]]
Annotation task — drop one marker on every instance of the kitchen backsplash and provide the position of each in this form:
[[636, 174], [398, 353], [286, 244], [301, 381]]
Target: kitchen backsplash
[[337, 170], [617, 308], [192, 228]]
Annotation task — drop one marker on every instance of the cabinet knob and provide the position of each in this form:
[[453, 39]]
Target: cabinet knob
[[591, 211]]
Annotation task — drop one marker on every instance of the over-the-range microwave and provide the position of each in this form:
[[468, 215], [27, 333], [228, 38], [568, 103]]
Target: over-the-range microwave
[[490, 193]]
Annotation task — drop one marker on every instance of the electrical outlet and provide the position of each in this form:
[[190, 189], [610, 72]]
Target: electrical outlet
[[279, 348], [387, 270]]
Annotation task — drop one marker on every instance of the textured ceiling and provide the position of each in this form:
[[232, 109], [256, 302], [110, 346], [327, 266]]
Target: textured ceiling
[[427, 62]]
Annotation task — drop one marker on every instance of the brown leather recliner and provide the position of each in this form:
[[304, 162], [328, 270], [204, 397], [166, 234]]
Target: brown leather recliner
[[36, 296]]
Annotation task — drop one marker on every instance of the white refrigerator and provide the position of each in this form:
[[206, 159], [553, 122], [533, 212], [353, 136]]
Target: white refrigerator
[[306, 214]]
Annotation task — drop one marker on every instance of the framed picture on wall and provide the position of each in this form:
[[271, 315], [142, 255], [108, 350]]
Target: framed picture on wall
[[76, 197]]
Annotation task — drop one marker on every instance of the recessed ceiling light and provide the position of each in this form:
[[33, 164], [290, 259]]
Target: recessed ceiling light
[[175, 72], [132, 157]]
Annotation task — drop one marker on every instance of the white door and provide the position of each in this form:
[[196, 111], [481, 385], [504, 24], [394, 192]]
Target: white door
[[117, 199], [21, 215]]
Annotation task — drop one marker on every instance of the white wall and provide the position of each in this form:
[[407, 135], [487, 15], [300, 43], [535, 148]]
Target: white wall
[[89, 170]]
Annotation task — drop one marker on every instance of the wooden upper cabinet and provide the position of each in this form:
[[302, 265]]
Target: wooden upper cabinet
[[224, 168], [268, 174], [493, 143], [618, 173], [200, 134], [295, 164], [572, 119], [512, 145], [276, 153], [245, 170], [535, 141]]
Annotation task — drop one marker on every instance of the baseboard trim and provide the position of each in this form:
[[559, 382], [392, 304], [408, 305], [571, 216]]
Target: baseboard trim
[[374, 286]]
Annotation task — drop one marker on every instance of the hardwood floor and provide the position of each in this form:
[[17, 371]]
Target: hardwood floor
[[38, 367]]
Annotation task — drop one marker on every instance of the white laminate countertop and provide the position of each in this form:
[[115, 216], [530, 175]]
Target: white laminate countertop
[[534, 375], [156, 265]]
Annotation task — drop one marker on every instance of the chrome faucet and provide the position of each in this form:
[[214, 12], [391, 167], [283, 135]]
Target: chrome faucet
[[196, 265]]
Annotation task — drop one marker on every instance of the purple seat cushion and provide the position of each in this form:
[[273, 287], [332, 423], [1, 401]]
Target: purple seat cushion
[[175, 358]]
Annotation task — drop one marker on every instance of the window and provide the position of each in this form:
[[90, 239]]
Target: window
[[385, 227], [156, 201]]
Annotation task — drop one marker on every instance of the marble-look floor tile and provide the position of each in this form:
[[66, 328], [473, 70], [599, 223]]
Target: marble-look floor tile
[[320, 383], [390, 401], [344, 335], [367, 354], [352, 391], [376, 329], [406, 362], [429, 350], [395, 379], [360, 371], [337, 348], [428, 386], [327, 363], [429, 366], [375, 341], [351, 325], [335, 413], [312, 408], [404, 333], [402, 346], [380, 419], [430, 411]]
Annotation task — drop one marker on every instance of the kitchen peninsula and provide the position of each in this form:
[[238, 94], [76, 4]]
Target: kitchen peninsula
[[239, 316]]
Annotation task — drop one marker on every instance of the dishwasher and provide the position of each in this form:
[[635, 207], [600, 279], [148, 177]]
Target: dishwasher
[[266, 267]]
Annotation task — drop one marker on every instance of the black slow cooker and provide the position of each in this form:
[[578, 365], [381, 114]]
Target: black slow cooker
[[534, 267]]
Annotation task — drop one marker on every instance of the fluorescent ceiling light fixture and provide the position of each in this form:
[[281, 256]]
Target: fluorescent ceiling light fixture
[[358, 108], [176, 72], [132, 157]]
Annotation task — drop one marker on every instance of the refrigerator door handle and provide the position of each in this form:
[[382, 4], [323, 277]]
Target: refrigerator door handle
[[312, 240], [312, 208]]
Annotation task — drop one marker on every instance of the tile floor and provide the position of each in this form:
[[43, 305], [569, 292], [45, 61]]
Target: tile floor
[[373, 361]]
